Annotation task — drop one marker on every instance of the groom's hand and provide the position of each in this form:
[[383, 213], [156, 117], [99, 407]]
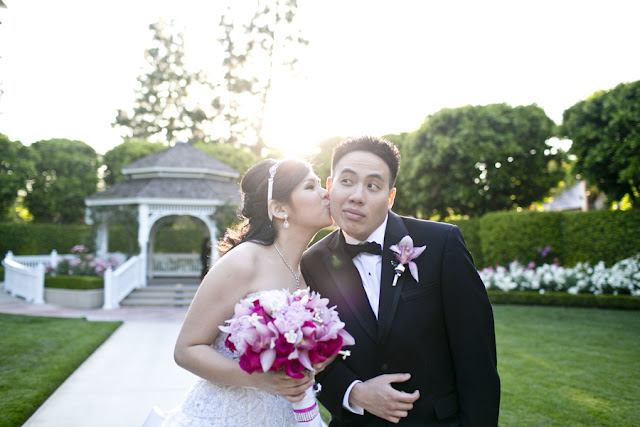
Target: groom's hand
[[379, 398]]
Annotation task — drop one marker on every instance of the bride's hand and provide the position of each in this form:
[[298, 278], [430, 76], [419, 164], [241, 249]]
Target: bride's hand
[[279, 383], [319, 367]]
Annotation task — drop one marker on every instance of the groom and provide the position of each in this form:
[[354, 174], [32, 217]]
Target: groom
[[425, 349]]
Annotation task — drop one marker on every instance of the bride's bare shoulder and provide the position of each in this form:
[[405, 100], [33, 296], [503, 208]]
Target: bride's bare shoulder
[[241, 261]]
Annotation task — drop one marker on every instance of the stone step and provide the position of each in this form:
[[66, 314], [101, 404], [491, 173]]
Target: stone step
[[156, 302], [163, 293], [166, 289]]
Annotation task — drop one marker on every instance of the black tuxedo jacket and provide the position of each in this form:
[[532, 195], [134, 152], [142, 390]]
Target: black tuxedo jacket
[[440, 329]]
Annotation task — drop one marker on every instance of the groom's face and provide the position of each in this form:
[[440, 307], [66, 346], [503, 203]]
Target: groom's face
[[360, 193]]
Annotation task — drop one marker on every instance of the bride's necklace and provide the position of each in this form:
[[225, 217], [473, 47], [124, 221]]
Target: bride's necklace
[[297, 276]]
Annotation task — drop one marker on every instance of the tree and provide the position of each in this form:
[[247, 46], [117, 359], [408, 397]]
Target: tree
[[605, 134], [66, 173], [16, 167], [125, 153], [476, 159], [255, 49], [163, 109], [321, 160], [238, 157], [403, 203]]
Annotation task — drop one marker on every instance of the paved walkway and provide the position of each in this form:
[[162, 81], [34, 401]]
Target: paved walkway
[[121, 381]]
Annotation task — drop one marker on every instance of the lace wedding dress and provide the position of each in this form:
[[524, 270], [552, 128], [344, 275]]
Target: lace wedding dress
[[209, 404]]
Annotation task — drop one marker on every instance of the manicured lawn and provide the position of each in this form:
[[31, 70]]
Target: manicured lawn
[[568, 366], [38, 354]]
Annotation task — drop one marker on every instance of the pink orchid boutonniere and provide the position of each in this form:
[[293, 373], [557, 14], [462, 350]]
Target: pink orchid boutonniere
[[406, 253]]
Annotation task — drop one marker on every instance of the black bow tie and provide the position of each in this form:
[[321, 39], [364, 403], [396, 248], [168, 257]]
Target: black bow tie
[[369, 247]]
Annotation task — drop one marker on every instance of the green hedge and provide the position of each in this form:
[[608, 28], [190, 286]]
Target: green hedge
[[505, 236], [33, 239], [624, 302], [594, 236], [74, 282], [608, 236]]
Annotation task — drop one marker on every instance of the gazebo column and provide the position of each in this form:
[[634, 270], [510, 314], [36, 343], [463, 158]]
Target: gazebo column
[[143, 234], [102, 240], [214, 239]]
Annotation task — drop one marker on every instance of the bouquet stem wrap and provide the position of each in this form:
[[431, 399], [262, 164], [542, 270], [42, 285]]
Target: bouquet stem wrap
[[306, 411]]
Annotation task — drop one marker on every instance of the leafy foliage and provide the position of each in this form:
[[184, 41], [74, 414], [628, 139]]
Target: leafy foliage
[[226, 216], [321, 160], [605, 130], [66, 173], [16, 167], [74, 282], [162, 109], [255, 47], [593, 236], [125, 217], [238, 157], [477, 159], [121, 155]]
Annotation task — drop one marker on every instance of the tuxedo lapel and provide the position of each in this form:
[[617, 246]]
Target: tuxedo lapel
[[348, 281], [389, 295]]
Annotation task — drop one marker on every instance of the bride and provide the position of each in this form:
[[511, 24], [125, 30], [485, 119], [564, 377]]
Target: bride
[[284, 206]]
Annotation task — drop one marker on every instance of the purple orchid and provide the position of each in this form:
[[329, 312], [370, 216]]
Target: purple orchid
[[405, 254]]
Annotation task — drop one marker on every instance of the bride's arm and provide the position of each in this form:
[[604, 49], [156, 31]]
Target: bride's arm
[[229, 280]]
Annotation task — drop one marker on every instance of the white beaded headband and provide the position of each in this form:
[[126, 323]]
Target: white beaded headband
[[272, 173]]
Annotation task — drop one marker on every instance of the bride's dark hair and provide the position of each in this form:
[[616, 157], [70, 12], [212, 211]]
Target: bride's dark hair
[[256, 225]]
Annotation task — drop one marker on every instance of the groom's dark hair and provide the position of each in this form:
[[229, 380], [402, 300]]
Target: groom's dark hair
[[381, 147]]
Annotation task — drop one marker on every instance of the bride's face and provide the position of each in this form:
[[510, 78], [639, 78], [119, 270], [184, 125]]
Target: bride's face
[[310, 204]]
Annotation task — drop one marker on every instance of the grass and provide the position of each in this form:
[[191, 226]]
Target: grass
[[568, 366], [38, 354]]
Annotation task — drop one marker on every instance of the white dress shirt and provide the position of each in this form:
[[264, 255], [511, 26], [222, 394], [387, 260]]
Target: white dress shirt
[[370, 268]]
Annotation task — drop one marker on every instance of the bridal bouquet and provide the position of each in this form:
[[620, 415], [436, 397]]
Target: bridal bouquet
[[280, 330]]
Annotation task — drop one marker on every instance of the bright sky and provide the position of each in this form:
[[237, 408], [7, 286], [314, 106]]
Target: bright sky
[[373, 67]]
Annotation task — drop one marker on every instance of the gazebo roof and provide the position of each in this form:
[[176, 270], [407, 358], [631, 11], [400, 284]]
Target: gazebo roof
[[178, 175], [181, 158]]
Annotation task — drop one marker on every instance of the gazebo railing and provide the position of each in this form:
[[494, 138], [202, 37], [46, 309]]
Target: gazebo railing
[[175, 264], [23, 281], [121, 282]]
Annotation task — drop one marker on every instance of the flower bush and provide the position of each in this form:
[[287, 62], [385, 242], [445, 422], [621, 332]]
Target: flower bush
[[623, 278], [81, 264]]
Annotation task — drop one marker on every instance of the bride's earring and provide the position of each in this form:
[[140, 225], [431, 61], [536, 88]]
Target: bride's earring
[[286, 223]]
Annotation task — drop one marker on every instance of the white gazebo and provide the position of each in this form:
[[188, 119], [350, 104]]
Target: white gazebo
[[177, 181]]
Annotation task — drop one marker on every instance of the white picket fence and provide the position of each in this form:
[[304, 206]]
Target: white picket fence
[[24, 277], [23, 281], [120, 282]]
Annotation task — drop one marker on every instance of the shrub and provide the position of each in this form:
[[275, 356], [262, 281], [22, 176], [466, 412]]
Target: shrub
[[30, 239], [74, 282], [594, 236], [505, 236], [624, 302]]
